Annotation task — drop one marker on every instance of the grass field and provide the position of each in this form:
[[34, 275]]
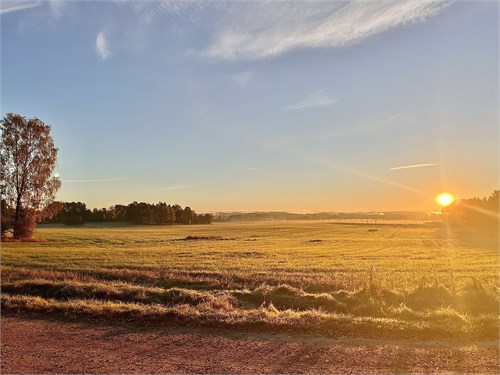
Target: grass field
[[327, 278]]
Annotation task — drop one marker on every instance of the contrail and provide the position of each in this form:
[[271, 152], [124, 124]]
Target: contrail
[[101, 180], [413, 166]]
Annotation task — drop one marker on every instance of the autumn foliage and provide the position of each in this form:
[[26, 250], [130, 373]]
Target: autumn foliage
[[28, 158]]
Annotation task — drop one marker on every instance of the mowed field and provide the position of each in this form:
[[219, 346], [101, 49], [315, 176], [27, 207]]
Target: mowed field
[[321, 278]]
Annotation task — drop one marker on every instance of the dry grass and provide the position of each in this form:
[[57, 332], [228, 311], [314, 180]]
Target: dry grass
[[314, 276], [443, 323]]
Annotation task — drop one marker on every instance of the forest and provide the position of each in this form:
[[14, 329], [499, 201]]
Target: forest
[[77, 213], [478, 212]]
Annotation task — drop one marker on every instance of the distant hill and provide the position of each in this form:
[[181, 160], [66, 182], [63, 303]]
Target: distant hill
[[372, 216]]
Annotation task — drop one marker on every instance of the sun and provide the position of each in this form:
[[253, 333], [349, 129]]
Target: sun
[[445, 199]]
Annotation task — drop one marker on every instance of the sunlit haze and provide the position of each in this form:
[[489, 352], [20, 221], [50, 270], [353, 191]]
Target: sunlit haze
[[248, 106]]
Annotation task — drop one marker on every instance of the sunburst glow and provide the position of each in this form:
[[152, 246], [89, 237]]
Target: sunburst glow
[[445, 199]]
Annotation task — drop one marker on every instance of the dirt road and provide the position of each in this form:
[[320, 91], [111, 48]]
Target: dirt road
[[52, 346]]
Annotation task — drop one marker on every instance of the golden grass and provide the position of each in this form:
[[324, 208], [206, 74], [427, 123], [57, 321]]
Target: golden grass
[[312, 276], [442, 323]]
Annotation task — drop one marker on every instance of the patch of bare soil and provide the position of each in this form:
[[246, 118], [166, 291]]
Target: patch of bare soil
[[36, 346], [206, 238]]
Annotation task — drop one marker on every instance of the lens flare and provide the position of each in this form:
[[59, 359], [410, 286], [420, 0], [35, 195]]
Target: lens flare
[[445, 199]]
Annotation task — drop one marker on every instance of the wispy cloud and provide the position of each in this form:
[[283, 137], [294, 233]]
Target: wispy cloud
[[242, 79], [147, 11], [56, 7], [413, 166], [177, 187], [316, 99], [353, 127], [101, 45], [91, 180], [10, 6], [256, 30], [252, 30], [369, 124]]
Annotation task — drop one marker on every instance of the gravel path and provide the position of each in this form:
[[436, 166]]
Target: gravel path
[[38, 346]]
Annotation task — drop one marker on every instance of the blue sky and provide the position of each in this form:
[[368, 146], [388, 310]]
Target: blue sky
[[260, 105]]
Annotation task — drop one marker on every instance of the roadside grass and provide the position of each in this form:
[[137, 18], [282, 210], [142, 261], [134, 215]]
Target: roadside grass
[[395, 281], [474, 301], [442, 323]]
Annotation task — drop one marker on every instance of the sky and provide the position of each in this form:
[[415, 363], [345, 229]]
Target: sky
[[260, 106]]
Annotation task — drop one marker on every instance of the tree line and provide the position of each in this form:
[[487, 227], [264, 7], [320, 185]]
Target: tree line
[[28, 186], [475, 211], [269, 216], [77, 213]]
